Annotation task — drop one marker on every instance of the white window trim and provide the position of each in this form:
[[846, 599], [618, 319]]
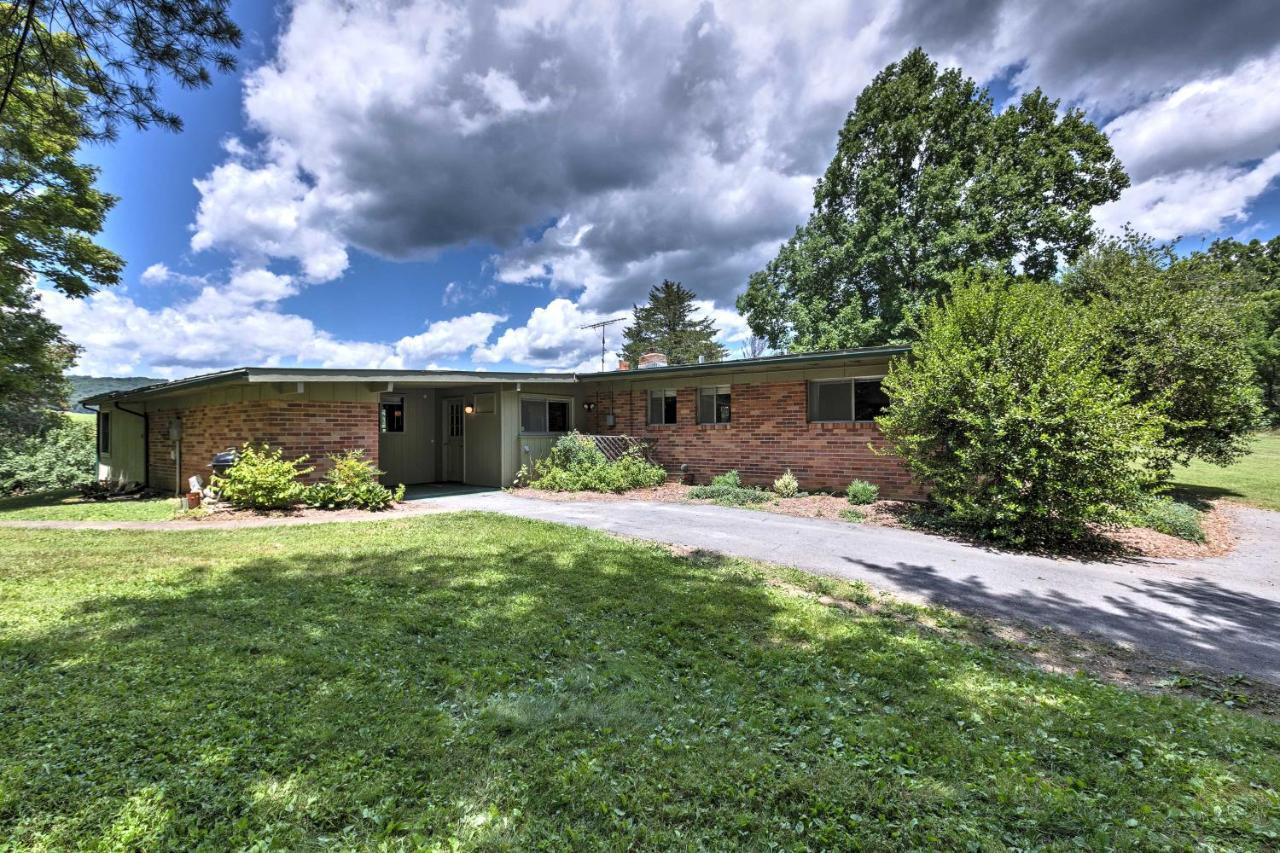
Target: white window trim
[[648, 406], [715, 391], [545, 398], [851, 381]]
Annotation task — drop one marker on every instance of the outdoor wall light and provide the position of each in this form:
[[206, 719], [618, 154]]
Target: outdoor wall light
[[469, 409], [590, 407]]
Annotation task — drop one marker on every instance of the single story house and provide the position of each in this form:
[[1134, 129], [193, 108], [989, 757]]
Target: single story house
[[810, 413]]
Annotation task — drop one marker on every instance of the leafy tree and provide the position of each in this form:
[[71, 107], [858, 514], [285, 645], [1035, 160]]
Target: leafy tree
[[667, 324], [120, 50], [1005, 409], [1254, 272], [1171, 330], [62, 453], [928, 180], [49, 206], [33, 357]]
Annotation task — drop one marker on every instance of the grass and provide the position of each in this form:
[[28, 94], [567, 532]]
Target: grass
[[476, 681], [1253, 480], [67, 505]]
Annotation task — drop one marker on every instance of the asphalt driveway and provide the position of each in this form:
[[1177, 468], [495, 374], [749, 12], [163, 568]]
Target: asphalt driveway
[[1221, 612]]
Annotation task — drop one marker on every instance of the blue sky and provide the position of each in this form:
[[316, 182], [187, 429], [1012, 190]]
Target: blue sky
[[440, 184]]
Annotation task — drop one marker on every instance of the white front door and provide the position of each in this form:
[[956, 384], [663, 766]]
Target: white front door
[[455, 438]]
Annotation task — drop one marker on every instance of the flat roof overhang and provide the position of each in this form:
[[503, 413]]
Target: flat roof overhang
[[770, 362], [390, 378]]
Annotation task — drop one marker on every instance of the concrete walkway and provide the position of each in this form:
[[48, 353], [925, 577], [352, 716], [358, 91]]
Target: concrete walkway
[[1221, 612]]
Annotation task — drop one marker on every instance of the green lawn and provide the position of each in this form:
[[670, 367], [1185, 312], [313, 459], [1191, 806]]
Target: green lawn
[[479, 681], [1254, 480], [67, 506]]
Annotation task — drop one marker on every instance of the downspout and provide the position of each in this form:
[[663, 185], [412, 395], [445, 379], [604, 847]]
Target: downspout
[[97, 441], [146, 444]]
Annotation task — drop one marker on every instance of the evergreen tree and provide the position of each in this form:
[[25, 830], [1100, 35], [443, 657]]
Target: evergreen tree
[[667, 324]]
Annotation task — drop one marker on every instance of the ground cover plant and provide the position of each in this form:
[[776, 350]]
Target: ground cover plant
[[68, 505], [1253, 480], [520, 684], [1167, 515], [576, 464]]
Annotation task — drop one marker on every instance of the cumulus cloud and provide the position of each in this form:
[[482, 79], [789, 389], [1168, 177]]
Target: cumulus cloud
[[238, 324], [600, 147]]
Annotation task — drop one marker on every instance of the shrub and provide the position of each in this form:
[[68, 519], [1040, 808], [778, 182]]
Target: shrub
[[1166, 515], [729, 478], [61, 455], [262, 478], [853, 515], [575, 464], [786, 485], [1003, 408], [862, 492], [1172, 332], [351, 481]]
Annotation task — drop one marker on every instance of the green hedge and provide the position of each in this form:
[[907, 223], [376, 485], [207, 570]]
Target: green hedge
[[61, 455]]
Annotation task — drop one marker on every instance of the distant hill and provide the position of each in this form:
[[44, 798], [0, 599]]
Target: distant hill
[[87, 386]]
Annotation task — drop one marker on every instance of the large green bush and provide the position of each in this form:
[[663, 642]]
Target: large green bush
[[1174, 332], [1005, 410], [575, 464], [262, 478], [61, 455], [351, 481]]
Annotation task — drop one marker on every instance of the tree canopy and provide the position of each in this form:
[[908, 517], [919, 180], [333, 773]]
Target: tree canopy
[[121, 50], [1172, 332], [928, 180], [668, 324], [1253, 271]]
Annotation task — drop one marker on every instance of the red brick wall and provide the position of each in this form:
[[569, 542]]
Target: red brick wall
[[297, 427], [769, 433]]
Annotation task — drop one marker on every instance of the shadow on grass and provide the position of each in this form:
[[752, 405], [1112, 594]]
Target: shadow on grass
[[486, 681], [1199, 497]]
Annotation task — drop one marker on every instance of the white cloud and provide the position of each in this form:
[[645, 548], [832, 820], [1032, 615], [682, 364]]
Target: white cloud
[[1229, 119], [268, 211], [448, 337], [1190, 202], [553, 337], [673, 139], [238, 324]]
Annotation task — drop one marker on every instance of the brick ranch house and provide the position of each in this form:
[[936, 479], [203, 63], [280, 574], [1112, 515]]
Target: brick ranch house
[[811, 413]]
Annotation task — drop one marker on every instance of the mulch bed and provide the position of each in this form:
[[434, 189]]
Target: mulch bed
[[1110, 541]]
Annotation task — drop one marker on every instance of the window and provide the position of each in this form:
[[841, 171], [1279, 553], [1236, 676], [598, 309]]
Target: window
[[713, 404], [391, 417], [845, 400], [104, 432], [540, 415], [662, 407], [869, 399]]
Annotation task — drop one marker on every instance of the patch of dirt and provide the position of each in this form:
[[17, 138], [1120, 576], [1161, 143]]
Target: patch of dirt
[[666, 493], [209, 512]]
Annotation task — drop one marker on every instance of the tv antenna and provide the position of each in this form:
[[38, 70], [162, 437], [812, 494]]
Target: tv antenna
[[602, 326]]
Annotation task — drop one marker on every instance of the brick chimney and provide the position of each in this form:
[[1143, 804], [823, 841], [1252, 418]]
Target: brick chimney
[[652, 359], [623, 364]]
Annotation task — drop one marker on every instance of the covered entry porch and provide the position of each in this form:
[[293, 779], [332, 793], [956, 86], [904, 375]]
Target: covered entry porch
[[441, 429]]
